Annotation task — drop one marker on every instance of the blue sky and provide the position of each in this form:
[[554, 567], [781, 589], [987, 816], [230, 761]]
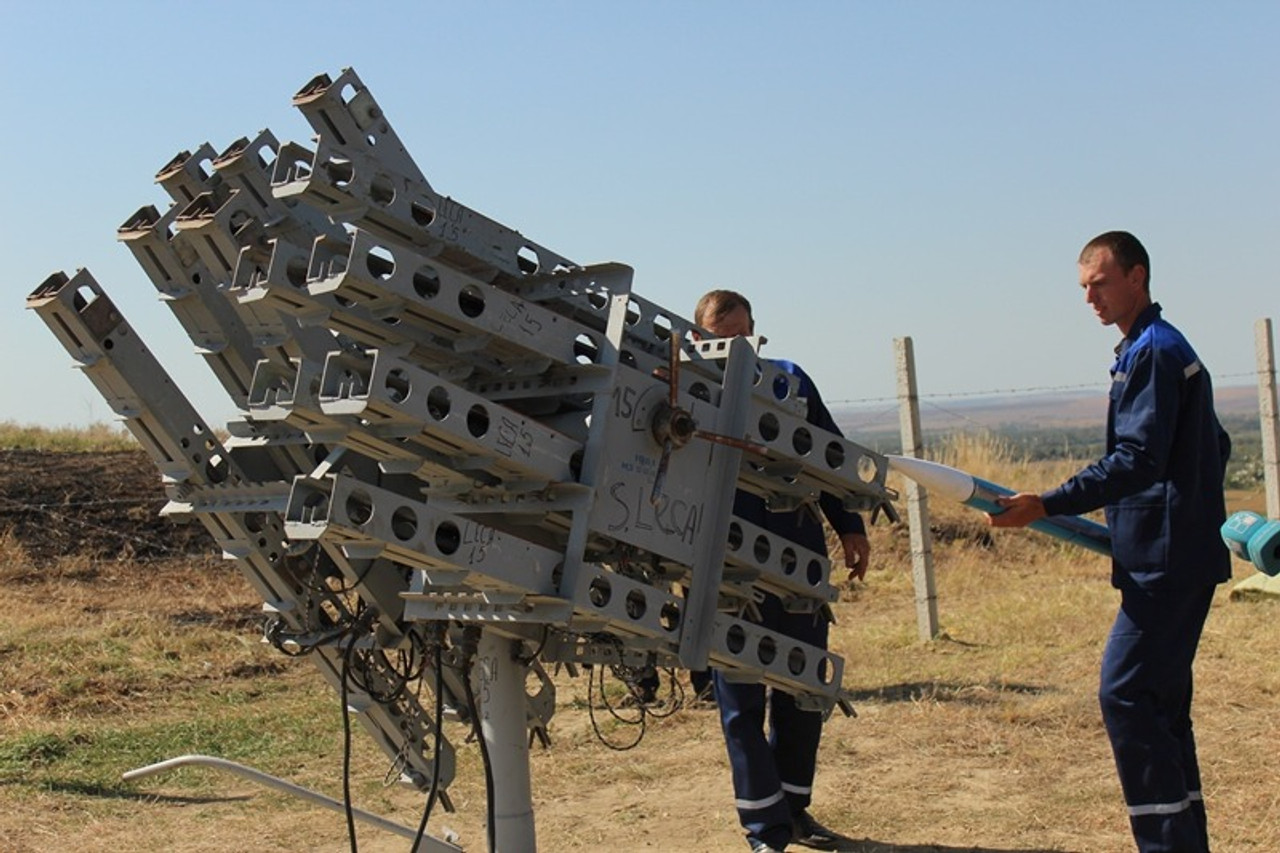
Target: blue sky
[[861, 170]]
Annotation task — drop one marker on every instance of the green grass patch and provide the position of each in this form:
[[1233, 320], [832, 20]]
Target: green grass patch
[[94, 757]]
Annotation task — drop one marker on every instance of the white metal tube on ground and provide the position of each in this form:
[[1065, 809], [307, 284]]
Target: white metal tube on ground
[[499, 688], [432, 845]]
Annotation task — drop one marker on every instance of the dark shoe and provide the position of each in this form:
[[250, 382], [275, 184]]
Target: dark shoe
[[808, 832], [761, 847], [643, 700], [700, 681], [706, 699]]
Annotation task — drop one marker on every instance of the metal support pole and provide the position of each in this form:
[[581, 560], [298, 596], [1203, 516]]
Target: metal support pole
[[917, 499], [1265, 345], [499, 690]]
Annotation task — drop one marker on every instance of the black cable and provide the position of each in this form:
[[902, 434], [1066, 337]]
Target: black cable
[[363, 677], [277, 636], [435, 755], [358, 627], [634, 693], [468, 663], [542, 644], [344, 587], [346, 746], [676, 693], [591, 713]]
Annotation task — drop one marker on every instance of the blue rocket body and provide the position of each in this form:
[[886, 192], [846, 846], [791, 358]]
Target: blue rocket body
[[1072, 528], [982, 495]]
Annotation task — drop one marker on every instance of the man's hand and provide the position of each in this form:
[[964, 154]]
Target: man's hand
[[857, 554], [1019, 510]]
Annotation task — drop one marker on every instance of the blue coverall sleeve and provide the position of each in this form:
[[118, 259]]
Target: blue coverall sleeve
[[1145, 405], [1224, 444]]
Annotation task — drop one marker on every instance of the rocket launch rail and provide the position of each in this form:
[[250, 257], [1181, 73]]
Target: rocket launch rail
[[447, 444]]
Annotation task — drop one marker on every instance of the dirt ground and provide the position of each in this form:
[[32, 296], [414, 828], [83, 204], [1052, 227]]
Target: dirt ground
[[985, 740], [100, 504]]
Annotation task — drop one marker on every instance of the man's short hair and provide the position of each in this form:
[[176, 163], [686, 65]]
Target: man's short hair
[[715, 304], [1125, 248]]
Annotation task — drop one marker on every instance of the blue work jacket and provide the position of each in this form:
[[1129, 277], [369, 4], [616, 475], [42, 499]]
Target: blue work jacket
[[1161, 479]]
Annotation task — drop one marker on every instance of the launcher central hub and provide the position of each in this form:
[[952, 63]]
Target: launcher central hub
[[672, 424]]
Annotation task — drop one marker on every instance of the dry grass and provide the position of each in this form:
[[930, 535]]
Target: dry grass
[[987, 739], [94, 438]]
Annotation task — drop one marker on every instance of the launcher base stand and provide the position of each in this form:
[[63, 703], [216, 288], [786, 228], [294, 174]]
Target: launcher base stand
[[499, 687]]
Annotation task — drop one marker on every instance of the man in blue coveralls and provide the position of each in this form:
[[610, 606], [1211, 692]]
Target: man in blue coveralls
[[1161, 482], [773, 775]]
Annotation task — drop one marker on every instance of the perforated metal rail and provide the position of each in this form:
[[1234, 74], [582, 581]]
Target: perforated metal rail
[[444, 424]]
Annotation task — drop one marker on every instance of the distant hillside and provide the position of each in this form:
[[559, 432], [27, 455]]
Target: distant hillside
[[1049, 426], [1055, 411]]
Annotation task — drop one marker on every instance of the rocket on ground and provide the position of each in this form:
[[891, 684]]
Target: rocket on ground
[[1251, 537]]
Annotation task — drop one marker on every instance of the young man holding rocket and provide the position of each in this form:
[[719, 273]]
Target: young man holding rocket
[[1161, 482]]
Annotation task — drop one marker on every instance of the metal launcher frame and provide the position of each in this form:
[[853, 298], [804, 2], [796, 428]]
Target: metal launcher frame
[[455, 440]]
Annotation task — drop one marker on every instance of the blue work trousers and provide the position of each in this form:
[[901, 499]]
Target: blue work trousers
[[1145, 693], [773, 772]]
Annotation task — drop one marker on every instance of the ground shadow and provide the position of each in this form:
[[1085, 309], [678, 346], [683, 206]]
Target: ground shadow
[[946, 691], [118, 792], [866, 845]]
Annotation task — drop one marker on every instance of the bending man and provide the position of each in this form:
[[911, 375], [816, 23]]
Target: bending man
[[773, 775]]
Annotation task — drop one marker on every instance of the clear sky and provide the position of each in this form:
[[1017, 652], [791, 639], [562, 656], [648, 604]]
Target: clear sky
[[861, 170]]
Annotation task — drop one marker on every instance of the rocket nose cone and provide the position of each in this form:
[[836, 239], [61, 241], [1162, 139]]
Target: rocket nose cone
[[943, 480]]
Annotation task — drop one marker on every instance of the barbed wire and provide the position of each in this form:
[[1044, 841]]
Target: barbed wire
[[959, 416], [991, 392], [890, 412], [213, 557], [76, 504], [1008, 392], [153, 542], [890, 417]]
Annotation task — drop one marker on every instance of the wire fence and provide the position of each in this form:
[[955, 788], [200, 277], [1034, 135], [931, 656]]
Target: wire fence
[[47, 529], [863, 414], [882, 413]]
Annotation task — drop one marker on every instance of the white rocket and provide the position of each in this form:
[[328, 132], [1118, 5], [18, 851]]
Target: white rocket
[[971, 491]]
